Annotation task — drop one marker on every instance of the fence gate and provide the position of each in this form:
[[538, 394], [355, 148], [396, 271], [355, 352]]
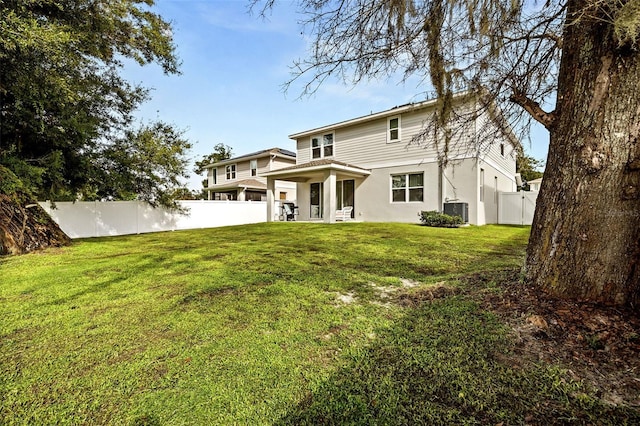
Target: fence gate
[[517, 208]]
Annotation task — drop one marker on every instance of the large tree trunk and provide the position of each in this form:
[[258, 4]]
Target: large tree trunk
[[585, 238], [26, 227]]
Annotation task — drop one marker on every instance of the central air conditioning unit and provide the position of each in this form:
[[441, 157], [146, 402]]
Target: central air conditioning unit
[[457, 209]]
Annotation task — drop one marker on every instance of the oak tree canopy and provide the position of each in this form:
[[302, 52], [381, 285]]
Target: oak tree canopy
[[66, 113], [64, 106]]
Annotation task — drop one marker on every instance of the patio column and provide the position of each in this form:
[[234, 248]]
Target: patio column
[[271, 188], [329, 196]]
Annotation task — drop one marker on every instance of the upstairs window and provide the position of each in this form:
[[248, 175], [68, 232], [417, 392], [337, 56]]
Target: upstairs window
[[315, 148], [231, 171], [502, 149], [214, 176], [407, 188], [393, 134], [253, 165], [322, 146], [327, 141]]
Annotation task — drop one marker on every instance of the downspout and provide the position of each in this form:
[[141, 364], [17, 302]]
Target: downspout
[[441, 188], [477, 180]]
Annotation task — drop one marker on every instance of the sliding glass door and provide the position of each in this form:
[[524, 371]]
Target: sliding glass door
[[345, 194], [345, 197], [316, 200]]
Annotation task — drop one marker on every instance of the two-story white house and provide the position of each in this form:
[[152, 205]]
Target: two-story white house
[[373, 164], [241, 178]]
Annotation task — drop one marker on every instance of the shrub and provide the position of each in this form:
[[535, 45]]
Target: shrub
[[434, 218]]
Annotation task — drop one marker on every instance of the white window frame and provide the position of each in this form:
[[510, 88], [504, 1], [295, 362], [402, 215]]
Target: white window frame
[[407, 188], [253, 167], [322, 145], [230, 171], [390, 130]]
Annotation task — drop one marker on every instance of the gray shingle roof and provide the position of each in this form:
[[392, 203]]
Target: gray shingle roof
[[317, 163]]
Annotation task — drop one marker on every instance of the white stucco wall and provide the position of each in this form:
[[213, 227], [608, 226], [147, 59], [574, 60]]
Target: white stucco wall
[[460, 183], [373, 195]]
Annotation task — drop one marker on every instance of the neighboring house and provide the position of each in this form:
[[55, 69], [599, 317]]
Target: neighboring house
[[372, 164], [241, 178], [534, 185]]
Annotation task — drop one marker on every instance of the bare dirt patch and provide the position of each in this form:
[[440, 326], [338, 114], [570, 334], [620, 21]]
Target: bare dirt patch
[[415, 297], [598, 345], [346, 299], [409, 283]]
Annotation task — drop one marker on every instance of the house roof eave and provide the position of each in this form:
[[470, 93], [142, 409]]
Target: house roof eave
[[245, 184], [301, 170], [276, 152]]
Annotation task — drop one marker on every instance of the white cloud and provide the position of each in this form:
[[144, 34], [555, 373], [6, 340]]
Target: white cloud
[[235, 16]]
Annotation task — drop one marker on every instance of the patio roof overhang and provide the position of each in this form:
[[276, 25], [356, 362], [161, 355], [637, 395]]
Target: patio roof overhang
[[316, 170], [247, 184]]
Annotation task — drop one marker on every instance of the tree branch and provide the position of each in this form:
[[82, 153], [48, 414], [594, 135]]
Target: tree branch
[[533, 108], [545, 36]]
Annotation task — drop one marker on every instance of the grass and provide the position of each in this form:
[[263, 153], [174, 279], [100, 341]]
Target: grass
[[283, 323]]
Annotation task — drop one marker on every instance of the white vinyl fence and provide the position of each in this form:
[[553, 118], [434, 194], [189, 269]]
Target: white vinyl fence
[[99, 219], [517, 208]]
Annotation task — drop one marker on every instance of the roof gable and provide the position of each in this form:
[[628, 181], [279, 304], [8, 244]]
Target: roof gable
[[279, 152]]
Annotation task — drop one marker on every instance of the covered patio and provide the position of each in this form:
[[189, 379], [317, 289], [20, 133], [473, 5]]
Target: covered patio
[[321, 174], [244, 190]]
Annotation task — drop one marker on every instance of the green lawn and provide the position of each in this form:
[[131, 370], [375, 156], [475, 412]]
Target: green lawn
[[283, 323]]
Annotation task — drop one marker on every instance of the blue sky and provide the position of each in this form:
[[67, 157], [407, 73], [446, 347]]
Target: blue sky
[[233, 67]]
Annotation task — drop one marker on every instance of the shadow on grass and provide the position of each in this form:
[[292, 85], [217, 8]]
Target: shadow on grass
[[446, 362]]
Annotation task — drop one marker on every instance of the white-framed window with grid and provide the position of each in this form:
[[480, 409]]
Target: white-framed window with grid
[[393, 129], [407, 187], [322, 146], [230, 171]]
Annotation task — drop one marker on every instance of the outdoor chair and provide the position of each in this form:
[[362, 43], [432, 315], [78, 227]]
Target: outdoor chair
[[289, 210], [344, 214]]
